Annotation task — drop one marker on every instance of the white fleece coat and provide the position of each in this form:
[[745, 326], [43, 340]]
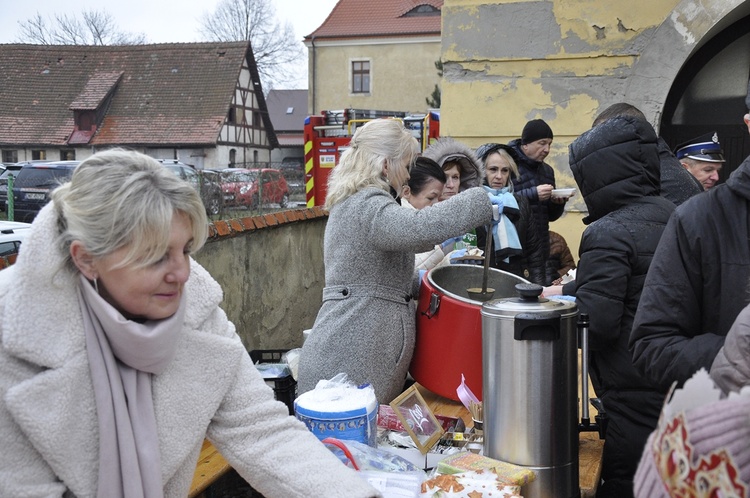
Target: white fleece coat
[[48, 422]]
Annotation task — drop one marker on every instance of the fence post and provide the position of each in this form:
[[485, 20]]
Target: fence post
[[11, 213]]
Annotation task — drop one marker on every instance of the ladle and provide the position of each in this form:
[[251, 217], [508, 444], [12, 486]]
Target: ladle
[[484, 294]]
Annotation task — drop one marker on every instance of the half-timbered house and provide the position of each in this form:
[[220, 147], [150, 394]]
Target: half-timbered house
[[200, 103]]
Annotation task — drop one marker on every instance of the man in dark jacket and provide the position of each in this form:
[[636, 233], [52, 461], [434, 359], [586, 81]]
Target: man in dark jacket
[[697, 284], [537, 178], [616, 167]]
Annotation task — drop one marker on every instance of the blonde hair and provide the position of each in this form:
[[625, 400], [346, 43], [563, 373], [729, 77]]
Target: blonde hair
[[378, 142], [120, 198], [511, 163]]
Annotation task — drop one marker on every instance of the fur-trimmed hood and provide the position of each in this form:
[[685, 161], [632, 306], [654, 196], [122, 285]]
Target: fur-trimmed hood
[[446, 148]]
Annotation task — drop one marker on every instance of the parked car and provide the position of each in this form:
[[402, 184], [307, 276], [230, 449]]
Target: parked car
[[246, 187], [12, 234], [10, 169], [206, 182], [33, 184], [293, 169]]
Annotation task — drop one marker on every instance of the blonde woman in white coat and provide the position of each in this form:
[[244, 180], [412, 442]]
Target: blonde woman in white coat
[[366, 325], [116, 360]]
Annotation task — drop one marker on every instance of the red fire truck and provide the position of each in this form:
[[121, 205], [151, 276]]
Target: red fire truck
[[328, 134]]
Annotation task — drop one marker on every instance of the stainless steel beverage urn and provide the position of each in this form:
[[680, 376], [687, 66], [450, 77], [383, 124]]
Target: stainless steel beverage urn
[[530, 402]]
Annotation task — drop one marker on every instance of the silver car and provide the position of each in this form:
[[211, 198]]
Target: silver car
[[12, 233]]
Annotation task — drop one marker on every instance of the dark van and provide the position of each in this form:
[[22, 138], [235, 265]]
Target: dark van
[[33, 184]]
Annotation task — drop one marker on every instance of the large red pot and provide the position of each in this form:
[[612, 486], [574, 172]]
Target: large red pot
[[449, 327]]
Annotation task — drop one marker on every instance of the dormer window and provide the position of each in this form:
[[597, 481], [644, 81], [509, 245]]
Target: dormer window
[[84, 120], [423, 10]]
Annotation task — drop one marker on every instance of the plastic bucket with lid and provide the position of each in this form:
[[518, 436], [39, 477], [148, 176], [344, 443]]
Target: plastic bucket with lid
[[342, 412]]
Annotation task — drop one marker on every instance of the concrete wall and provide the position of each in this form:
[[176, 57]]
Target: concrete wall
[[402, 73], [506, 62], [271, 270]]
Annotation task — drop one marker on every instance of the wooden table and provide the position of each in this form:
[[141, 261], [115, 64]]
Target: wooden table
[[211, 466], [589, 450]]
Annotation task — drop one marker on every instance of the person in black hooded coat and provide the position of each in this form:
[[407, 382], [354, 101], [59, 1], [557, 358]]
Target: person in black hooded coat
[[677, 184], [616, 167]]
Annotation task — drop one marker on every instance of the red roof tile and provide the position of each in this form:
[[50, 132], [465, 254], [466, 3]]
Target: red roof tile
[[167, 94], [368, 18]]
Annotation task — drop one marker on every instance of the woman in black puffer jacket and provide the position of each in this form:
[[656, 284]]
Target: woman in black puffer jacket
[[521, 254], [616, 167]]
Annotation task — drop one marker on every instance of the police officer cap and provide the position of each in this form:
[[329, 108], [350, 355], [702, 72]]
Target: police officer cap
[[703, 148]]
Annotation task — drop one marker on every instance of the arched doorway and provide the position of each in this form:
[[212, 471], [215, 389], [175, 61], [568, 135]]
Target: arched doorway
[[708, 94]]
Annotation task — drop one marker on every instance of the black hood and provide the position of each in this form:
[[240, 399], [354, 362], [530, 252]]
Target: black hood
[[615, 163]]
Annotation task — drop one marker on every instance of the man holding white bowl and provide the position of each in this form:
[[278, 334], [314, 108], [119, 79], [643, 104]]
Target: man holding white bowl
[[536, 181]]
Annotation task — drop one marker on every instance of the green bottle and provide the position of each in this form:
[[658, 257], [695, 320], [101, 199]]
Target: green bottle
[[470, 239]]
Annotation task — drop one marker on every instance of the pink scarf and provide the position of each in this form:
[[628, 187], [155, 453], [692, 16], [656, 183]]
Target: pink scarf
[[123, 355]]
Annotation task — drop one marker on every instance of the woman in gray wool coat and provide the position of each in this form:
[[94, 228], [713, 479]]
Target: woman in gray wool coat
[[366, 325]]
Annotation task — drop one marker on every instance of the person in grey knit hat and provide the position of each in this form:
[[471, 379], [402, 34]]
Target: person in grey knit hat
[[366, 326], [700, 447]]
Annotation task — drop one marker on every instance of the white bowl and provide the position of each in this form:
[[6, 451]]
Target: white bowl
[[563, 192]]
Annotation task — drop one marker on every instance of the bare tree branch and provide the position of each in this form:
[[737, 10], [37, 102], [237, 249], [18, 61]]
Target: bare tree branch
[[69, 31], [91, 28], [35, 30], [275, 47]]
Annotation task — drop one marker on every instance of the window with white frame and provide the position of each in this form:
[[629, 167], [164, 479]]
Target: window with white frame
[[361, 76]]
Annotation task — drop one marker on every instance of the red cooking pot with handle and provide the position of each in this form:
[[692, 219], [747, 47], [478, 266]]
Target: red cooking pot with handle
[[449, 327]]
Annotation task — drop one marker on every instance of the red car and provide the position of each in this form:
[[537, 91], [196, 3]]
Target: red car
[[246, 187]]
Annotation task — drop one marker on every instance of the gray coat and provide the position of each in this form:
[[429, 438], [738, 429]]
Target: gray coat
[[48, 423], [731, 367], [366, 326]]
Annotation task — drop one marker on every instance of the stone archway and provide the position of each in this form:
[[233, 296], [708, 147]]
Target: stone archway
[[674, 41]]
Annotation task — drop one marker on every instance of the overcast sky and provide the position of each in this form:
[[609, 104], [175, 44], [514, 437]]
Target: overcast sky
[[162, 21]]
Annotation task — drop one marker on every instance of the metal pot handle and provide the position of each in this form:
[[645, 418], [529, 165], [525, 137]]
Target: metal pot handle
[[434, 305], [583, 330], [601, 419]]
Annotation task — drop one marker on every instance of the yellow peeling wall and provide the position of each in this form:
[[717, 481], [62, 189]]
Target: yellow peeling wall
[[564, 61], [403, 74]]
